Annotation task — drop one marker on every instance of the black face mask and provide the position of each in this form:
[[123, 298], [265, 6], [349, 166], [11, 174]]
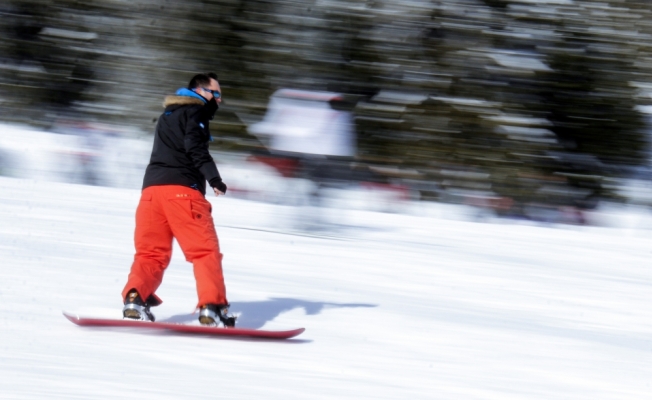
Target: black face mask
[[210, 108]]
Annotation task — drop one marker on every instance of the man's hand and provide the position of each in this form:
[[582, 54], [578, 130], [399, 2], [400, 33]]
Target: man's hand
[[218, 187]]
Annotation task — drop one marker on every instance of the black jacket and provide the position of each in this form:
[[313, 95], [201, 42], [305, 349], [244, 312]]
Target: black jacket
[[180, 154]]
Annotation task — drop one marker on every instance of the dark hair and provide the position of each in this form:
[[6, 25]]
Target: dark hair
[[201, 80]]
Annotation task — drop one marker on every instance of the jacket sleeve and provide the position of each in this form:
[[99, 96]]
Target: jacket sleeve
[[195, 142]]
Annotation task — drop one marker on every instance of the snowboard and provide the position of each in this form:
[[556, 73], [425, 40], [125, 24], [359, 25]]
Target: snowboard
[[183, 328]]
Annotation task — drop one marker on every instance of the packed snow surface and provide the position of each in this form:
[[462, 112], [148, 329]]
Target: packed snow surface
[[396, 306]]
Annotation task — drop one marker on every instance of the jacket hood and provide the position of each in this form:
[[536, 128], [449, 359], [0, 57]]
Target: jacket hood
[[184, 97], [181, 101]]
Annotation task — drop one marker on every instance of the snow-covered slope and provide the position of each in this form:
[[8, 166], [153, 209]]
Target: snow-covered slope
[[395, 306]]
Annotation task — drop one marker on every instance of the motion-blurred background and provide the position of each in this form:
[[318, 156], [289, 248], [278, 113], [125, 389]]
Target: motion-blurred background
[[526, 109]]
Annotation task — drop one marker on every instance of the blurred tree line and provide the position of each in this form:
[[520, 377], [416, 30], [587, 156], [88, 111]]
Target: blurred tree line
[[506, 103]]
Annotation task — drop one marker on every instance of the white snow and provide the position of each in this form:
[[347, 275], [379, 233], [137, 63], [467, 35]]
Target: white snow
[[395, 306]]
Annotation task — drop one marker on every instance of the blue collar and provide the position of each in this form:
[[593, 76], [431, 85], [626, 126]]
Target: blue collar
[[190, 93]]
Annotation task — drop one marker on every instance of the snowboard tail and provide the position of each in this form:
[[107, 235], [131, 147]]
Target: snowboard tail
[[183, 328]]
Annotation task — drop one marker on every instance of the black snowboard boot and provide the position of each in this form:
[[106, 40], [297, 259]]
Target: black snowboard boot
[[212, 314], [136, 308]]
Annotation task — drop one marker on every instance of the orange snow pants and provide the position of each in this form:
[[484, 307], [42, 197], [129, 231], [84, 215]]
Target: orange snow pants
[[172, 211]]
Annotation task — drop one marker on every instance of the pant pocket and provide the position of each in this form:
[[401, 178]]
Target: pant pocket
[[144, 212], [201, 211], [201, 214]]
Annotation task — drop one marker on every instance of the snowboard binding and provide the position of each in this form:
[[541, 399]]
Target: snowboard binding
[[213, 314], [136, 308]]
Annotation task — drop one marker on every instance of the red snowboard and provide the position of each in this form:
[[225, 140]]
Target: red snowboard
[[193, 329]]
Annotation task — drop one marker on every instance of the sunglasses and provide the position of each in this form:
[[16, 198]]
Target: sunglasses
[[215, 93]]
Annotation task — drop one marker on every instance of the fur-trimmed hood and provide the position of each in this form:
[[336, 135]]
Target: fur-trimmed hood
[[184, 97], [181, 101]]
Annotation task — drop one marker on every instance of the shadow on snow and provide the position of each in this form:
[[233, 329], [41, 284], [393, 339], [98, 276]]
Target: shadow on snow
[[255, 314]]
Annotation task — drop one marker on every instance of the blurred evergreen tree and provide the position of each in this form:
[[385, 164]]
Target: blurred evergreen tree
[[527, 101]]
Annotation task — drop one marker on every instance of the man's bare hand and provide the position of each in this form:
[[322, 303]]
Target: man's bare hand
[[217, 192]]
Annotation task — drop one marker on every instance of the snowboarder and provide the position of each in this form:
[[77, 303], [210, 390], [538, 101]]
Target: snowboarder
[[172, 205]]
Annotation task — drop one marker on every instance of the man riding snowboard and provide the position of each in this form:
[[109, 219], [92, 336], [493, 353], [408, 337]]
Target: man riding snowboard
[[172, 205]]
